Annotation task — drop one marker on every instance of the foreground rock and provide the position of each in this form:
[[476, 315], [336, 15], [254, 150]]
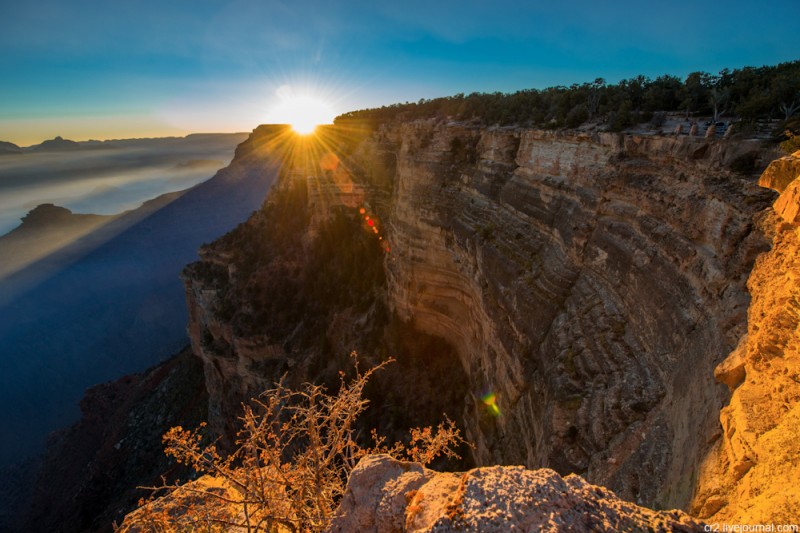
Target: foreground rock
[[386, 495]]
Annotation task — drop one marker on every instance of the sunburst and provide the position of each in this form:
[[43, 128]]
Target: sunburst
[[303, 110]]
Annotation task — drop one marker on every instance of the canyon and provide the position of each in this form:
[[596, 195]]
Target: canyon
[[585, 286], [608, 307]]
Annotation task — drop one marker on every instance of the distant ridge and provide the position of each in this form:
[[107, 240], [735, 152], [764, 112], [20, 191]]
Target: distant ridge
[[59, 144], [9, 148]]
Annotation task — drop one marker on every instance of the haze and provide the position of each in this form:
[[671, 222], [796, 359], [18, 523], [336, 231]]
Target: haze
[[110, 179], [86, 299]]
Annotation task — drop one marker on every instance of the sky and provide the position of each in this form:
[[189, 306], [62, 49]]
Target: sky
[[94, 69]]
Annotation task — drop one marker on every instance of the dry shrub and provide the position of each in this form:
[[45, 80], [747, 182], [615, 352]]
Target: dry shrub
[[294, 454]]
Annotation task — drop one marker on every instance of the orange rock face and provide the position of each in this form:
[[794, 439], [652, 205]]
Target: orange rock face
[[751, 475]]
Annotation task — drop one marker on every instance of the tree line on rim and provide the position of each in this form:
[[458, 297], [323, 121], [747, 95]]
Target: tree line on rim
[[750, 94]]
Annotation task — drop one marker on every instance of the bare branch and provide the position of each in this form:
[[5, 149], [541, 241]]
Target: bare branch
[[295, 451]]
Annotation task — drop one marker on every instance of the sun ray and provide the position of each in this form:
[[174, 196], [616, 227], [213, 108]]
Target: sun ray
[[319, 163]]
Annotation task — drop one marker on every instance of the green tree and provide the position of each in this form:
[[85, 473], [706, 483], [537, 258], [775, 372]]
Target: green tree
[[662, 94], [786, 90], [695, 92]]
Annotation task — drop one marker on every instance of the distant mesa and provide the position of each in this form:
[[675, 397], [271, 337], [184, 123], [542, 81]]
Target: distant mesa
[[9, 148], [45, 214], [60, 144]]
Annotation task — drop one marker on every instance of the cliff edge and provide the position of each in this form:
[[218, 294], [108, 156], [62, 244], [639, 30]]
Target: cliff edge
[[751, 474]]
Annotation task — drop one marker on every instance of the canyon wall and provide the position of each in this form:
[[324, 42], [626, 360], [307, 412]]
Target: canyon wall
[[751, 474], [591, 284], [586, 285]]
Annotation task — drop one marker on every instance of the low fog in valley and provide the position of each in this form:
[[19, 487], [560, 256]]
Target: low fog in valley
[[107, 178], [86, 298]]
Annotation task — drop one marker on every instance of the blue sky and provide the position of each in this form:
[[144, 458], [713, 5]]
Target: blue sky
[[97, 69]]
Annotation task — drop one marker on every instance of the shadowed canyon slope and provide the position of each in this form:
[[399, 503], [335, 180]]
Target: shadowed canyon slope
[[590, 282], [107, 304]]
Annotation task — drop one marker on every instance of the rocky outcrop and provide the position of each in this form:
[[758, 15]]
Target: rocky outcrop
[[750, 475], [385, 495], [781, 172], [588, 285], [91, 473], [44, 230]]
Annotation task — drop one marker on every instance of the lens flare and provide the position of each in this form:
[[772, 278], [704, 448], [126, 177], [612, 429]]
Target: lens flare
[[329, 161], [490, 401], [373, 225]]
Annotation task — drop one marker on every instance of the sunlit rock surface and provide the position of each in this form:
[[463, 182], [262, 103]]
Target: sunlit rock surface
[[385, 495], [751, 474], [587, 284]]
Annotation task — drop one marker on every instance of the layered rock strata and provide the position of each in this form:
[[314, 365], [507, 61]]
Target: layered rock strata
[[587, 284], [751, 474], [590, 283]]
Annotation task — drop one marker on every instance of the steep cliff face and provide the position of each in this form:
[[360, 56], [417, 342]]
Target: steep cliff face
[[591, 284], [751, 474], [587, 287]]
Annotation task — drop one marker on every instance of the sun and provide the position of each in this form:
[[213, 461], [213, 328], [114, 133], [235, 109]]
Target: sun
[[304, 111]]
